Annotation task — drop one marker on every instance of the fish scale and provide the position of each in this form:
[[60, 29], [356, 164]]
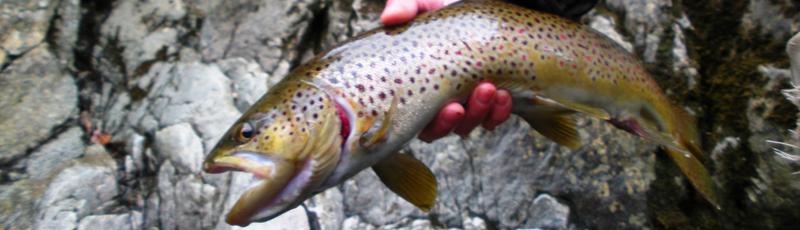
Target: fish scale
[[433, 57], [356, 105]]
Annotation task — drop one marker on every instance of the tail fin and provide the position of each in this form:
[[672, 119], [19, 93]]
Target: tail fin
[[697, 174], [688, 155]]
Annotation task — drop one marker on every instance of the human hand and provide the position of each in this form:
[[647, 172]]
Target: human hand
[[401, 11], [486, 106]]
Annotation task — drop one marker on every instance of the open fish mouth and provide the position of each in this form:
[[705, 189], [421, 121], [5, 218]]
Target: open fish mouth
[[279, 187]]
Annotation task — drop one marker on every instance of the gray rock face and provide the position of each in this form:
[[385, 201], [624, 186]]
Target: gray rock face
[[52, 155], [181, 147], [86, 188], [37, 97], [166, 78], [548, 213], [24, 24], [122, 221]]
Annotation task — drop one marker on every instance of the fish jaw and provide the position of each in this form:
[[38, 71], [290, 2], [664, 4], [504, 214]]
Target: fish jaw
[[280, 183]]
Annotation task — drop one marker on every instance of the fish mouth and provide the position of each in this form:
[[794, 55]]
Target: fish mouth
[[279, 186]]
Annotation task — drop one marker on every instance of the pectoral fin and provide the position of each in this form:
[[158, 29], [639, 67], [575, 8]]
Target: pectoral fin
[[409, 178], [379, 133]]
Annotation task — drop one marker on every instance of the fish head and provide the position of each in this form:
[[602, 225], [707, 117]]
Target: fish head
[[289, 140]]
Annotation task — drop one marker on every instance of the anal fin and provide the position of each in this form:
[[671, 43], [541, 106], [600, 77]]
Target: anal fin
[[559, 128], [589, 110], [550, 119], [409, 178]]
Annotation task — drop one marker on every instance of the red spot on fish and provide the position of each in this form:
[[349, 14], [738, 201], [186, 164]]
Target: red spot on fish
[[345, 129]]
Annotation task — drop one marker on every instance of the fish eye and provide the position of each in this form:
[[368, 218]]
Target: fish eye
[[246, 132]]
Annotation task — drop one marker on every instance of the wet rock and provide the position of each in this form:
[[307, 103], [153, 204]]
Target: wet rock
[[38, 97], [64, 29], [249, 82], [645, 21], [372, 201], [180, 145], [18, 203], [186, 92], [54, 154], [234, 29], [132, 220], [353, 223], [83, 189], [768, 18], [327, 209], [24, 24], [184, 199], [681, 63], [548, 213], [475, 223], [606, 25], [291, 220], [3, 57], [348, 18], [136, 34], [421, 225], [187, 107]]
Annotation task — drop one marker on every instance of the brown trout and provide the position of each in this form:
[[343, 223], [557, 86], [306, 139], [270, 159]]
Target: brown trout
[[356, 105]]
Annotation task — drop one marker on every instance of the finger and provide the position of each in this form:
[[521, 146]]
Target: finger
[[478, 105], [444, 122], [431, 5], [398, 12], [501, 110], [401, 11]]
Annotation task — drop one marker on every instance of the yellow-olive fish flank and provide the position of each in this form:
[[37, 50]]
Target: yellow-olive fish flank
[[356, 105]]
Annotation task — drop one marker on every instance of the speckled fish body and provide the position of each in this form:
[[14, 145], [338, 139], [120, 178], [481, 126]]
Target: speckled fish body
[[360, 102]]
